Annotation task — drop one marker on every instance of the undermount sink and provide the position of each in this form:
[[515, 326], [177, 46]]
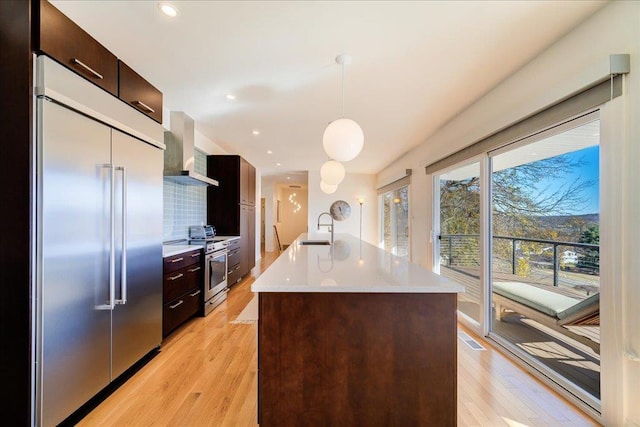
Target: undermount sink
[[315, 242]]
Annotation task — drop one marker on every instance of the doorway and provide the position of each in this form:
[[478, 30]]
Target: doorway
[[262, 224]]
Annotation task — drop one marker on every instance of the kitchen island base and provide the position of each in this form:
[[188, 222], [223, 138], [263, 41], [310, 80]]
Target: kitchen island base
[[367, 359]]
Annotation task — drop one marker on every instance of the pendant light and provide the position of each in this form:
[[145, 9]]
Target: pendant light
[[332, 172], [343, 139], [328, 189]]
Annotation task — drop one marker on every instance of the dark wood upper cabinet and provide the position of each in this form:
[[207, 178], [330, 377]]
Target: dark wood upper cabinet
[[63, 40], [139, 93], [237, 179], [223, 201], [57, 36], [244, 181], [251, 185], [231, 205]]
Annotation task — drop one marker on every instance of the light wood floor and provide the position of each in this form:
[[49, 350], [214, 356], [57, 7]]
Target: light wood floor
[[571, 359], [205, 375]]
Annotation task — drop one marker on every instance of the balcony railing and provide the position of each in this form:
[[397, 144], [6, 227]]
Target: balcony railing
[[570, 264]]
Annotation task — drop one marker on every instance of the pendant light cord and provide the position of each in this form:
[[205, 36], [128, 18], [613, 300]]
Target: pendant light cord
[[342, 90]]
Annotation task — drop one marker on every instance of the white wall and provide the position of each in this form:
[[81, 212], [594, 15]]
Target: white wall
[[354, 187], [575, 61]]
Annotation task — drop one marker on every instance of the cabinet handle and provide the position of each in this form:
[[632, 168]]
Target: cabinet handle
[[176, 277], [195, 293], [87, 68], [144, 106], [177, 260], [195, 255], [176, 304], [193, 270]]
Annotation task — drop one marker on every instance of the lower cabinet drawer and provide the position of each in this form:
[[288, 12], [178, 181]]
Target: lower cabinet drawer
[[233, 275], [179, 282], [181, 309]]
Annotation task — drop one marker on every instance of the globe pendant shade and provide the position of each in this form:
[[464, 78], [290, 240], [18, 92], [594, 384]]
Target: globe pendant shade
[[343, 140], [328, 189], [332, 172]]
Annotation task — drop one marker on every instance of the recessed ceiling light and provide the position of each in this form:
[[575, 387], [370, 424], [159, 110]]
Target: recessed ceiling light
[[277, 164], [231, 97], [288, 177], [255, 132], [168, 9], [269, 152]]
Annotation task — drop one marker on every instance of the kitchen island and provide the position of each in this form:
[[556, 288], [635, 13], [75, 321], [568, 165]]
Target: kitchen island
[[349, 334]]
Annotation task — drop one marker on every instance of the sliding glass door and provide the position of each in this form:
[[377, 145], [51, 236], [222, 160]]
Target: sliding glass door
[[519, 227], [545, 253], [458, 232]]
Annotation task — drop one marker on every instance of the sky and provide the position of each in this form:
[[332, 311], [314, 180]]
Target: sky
[[590, 170]]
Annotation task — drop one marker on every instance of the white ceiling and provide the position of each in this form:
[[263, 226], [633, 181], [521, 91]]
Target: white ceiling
[[415, 66]]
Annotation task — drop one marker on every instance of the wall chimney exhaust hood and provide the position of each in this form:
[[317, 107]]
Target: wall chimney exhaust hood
[[179, 163]]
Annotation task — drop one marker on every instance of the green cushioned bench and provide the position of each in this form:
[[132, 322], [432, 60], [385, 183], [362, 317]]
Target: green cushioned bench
[[547, 307]]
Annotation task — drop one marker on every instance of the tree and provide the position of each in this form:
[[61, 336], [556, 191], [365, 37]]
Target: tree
[[460, 215], [517, 200], [460, 206], [591, 235], [590, 257]]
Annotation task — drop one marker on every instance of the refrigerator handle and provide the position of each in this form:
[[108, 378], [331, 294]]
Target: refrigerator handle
[[112, 237], [123, 258]]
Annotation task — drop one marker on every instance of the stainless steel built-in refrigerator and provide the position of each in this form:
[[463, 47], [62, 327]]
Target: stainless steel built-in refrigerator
[[98, 238]]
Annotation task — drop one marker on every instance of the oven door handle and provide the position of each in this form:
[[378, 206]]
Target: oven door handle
[[216, 254]]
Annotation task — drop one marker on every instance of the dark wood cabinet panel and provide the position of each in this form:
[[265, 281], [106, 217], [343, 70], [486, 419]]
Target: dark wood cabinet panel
[[233, 275], [139, 93], [244, 240], [233, 244], [233, 262], [233, 258], [16, 158], [177, 262], [231, 206], [251, 185], [223, 201], [251, 242], [63, 40], [247, 238], [183, 283], [180, 310], [179, 282], [328, 359], [247, 183]]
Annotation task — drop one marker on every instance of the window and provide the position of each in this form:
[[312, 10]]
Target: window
[[394, 220]]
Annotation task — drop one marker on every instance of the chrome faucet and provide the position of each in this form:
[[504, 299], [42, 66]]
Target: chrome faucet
[[326, 225]]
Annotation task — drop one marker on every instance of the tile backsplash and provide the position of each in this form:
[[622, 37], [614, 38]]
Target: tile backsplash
[[184, 205]]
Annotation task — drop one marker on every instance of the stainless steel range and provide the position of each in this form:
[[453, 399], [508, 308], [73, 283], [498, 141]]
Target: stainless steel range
[[215, 265]]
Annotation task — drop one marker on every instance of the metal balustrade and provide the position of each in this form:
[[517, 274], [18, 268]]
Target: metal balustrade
[[570, 264]]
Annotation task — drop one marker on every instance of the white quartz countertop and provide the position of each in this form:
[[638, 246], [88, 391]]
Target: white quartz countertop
[[171, 250], [228, 237], [349, 265]]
